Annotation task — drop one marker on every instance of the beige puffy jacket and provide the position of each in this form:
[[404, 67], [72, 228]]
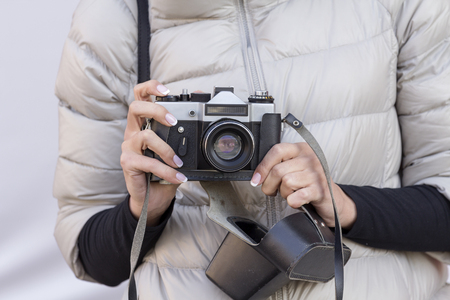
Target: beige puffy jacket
[[370, 79]]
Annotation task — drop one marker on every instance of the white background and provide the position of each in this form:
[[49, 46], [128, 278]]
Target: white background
[[32, 35]]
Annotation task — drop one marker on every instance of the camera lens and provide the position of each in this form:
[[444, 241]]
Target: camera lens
[[228, 145]]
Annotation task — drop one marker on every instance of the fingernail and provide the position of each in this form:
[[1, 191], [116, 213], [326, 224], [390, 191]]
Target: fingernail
[[171, 119], [163, 90], [181, 177], [177, 161], [255, 179]]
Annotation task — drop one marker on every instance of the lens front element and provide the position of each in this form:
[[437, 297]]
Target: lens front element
[[228, 146]]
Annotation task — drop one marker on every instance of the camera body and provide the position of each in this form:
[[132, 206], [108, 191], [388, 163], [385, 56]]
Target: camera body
[[223, 138]]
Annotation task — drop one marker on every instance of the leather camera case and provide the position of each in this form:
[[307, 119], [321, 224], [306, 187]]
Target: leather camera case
[[299, 247]]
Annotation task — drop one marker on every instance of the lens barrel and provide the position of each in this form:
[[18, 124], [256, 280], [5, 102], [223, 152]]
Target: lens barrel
[[228, 145]]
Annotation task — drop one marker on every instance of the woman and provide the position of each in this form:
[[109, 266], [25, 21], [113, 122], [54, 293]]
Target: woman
[[370, 81]]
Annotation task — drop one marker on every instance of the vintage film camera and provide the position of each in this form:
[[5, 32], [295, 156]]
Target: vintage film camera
[[223, 138]]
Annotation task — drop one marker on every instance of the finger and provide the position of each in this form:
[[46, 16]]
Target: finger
[[295, 181], [278, 153], [147, 139], [135, 164], [154, 166], [304, 196], [143, 91], [280, 171], [140, 110], [291, 183]]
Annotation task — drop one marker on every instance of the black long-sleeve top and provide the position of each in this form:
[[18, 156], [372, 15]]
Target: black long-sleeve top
[[415, 218]]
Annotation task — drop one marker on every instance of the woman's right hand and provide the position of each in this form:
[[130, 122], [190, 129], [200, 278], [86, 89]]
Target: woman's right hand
[[135, 164]]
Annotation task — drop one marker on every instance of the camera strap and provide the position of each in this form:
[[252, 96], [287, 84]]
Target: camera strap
[[338, 247], [143, 75]]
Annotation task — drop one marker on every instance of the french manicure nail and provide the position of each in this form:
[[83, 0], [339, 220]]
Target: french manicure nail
[[171, 119], [255, 179], [178, 161], [181, 177], [163, 90]]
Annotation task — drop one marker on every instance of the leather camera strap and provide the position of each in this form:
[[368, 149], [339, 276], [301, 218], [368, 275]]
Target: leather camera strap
[[144, 35], [143, 76], [137, 244], [338, 248]]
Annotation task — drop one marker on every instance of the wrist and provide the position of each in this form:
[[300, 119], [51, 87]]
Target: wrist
[[153, 214], [348, 212], [160, 198]]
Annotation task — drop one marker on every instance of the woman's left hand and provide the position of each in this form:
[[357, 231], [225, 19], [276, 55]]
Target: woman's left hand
[[295, 172]]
